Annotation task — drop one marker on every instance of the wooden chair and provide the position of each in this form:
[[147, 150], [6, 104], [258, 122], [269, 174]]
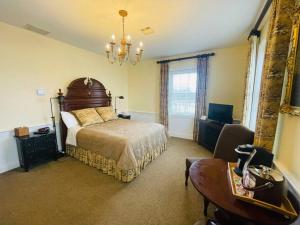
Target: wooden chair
[[230, 137]]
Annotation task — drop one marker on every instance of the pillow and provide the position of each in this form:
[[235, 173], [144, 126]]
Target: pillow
[[87, 116], [106, 113], [69, 119]]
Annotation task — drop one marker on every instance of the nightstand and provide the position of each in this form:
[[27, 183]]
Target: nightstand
[[36, 149], [122, 116]]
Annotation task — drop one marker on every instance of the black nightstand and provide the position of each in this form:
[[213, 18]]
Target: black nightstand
[[122, 116], [36, 149]]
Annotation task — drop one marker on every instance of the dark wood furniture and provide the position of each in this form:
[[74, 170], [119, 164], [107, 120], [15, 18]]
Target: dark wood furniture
[[82, 93], [122, 116], [36, 149], [209, 131], [209, 177]]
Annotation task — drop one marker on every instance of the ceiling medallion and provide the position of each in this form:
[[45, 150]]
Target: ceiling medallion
[[123, 48]]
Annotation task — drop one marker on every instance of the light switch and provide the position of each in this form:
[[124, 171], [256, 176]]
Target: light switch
[[40, 92]]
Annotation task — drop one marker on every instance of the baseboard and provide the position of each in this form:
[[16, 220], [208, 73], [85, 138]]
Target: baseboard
[[9, 166]]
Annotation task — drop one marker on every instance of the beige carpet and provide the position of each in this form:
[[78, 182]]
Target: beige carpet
[[69, 192]]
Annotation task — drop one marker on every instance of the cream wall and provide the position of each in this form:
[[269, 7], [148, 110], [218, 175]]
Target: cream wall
[[287, 148], [143, 83], [226, 81], [30, 61]]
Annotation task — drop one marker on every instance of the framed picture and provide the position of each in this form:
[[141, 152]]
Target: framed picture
[[291, 102]]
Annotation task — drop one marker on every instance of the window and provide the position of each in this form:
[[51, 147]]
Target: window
[[182, 92]]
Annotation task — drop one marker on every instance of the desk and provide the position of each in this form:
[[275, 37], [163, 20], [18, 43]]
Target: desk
[[209, 177]]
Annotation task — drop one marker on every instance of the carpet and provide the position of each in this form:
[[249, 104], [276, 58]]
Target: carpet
[[69, 192]]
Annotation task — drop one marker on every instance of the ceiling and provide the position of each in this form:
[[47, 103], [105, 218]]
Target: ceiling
[[180, 26]]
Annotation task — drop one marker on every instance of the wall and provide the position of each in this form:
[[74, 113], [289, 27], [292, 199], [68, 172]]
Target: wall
[[226, 80], [30, 61], [143, 91], [287, 149]]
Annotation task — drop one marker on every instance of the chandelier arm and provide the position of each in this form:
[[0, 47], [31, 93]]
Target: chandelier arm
[[112, 47], [123, 27]]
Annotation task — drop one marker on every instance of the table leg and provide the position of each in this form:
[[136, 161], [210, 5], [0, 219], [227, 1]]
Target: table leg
[[206, 203]]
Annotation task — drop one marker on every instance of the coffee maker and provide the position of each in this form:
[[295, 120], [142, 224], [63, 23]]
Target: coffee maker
[[262, 157]]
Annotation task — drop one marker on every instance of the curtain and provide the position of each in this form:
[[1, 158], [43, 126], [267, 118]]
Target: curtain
[[273, 72], [164, 84], [201, 89], [250, 78]]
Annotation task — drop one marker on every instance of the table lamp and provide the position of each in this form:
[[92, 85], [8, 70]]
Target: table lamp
[[119, 97]]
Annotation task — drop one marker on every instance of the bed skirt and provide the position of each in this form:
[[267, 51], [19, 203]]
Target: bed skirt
[[109, 166]]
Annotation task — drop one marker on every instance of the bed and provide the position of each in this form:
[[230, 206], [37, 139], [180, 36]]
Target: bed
[[120, 148]]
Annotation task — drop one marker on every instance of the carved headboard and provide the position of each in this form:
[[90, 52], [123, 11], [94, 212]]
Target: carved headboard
[[82, 93]]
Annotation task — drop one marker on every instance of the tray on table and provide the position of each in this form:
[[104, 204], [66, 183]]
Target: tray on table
[[286, 208]]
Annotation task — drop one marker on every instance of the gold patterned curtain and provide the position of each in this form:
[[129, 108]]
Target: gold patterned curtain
[[201, 91], [273, 72], [164, 84], [250, 78]]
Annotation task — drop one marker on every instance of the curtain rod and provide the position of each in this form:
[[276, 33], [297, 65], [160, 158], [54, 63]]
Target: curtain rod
[[185, 58], [255, 30]]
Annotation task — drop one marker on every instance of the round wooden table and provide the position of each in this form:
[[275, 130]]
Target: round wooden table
[[209, 177]]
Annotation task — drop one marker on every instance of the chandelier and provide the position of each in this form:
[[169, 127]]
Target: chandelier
[[123, 48]]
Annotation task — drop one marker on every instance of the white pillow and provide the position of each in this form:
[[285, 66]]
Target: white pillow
[[69, 119]]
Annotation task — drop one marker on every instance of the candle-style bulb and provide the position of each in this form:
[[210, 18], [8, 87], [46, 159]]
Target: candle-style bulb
[[128, 38], [141, 44], [113, 37], [138, 50], [107, 46]]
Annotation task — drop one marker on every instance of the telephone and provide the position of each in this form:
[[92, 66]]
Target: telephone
[[44, 130]]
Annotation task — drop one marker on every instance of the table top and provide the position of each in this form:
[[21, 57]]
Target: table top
[[32, 135], [209, 177]]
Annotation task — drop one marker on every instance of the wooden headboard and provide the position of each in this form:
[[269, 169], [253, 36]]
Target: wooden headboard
[[82, 93]]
